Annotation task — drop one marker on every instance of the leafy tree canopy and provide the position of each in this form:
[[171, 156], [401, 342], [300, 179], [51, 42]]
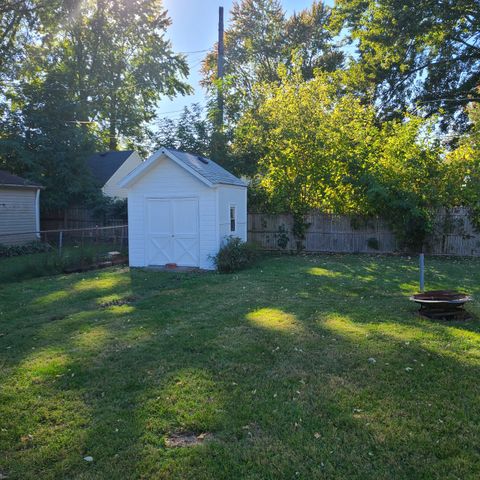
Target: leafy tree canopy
[[320, 148], [259, 39], [191, 132], [87, 75], [424, 52]]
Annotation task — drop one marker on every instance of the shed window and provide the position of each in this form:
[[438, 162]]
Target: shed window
[[233, 218]]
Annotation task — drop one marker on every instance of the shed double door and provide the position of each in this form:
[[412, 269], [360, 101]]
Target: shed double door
[[172, 234]]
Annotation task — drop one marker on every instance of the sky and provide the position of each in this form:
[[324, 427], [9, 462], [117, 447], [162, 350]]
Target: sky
[[194, 28]]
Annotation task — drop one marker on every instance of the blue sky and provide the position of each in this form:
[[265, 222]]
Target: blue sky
[[194, 27]]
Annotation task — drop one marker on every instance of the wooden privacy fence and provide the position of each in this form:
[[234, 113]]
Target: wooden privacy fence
[[76, 217], [453, 234]]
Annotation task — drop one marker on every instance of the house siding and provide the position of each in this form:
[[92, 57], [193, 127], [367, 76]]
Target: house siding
[[168, 180], [111, 188], [17, 215]]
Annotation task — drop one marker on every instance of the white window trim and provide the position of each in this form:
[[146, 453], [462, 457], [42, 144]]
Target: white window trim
[[234, 206]]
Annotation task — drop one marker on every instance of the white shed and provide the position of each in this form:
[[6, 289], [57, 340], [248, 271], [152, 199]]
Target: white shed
[[181, 207]]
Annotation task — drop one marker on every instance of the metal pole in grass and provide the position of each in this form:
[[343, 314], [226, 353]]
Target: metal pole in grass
[[60, 242], [422, 272]]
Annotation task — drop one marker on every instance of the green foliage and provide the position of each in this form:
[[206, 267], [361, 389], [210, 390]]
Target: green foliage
[[323, 149], [463, 169], [107, 208], [299, 229], [41, 142], [46, 260], [282, 237], [261, 38], [192, 132], [314, 144], [26, 249], [414, 51], [235, 255], [373, 243], [87, 75]]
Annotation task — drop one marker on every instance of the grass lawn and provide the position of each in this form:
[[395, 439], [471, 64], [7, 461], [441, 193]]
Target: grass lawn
[[50, 263], [273, 363]]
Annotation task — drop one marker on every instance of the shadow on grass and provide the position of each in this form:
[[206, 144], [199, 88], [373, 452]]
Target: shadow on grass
[[273, 361]]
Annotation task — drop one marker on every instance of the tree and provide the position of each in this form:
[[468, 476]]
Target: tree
[[421, 52], [40, 142], [308, 34], [463, 168], [259, 40], [90, 77], [321, 148], [192, 132]]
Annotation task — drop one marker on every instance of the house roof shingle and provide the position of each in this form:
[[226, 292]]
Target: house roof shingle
[[103, 165], [210, 170], [11, 180]]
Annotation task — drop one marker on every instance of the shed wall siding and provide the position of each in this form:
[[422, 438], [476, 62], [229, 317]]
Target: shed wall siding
[[231, 195], [17, 215], [167, 180]]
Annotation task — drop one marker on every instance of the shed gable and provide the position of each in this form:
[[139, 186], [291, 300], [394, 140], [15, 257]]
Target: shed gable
[[170, 176]]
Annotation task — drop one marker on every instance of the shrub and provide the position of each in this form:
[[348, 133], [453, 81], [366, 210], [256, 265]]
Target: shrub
[[234, 255], [26, 249], [373, 243]]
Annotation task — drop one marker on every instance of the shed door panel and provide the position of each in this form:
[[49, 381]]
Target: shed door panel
[[159, 232], [185, 235], [173, 231]]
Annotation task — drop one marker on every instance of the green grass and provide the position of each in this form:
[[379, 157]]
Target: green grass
[[273, 362], [52, 262]]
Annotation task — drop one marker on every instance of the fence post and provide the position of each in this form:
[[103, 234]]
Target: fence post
[[422, 272], [60, 242]]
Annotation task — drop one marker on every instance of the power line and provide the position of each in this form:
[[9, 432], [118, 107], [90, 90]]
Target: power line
[[195, 51]]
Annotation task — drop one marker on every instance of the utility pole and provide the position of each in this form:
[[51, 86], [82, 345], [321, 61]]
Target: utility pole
[[220, 65]]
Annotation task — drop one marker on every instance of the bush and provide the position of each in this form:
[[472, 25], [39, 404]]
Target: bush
[[234, 255], [26, 249]]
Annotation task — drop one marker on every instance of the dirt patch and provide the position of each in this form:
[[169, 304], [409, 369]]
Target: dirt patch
[[118, 302], [186, 439], [96, 266]]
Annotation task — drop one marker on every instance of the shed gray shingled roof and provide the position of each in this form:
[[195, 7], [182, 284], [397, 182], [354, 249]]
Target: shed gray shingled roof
[[9, 179], [103, 165], [210, 170]]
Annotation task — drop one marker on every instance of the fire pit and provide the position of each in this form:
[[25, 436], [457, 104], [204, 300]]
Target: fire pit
[[442, 305]]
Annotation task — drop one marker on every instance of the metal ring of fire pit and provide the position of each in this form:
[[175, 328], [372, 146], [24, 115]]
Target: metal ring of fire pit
[[442, 304]]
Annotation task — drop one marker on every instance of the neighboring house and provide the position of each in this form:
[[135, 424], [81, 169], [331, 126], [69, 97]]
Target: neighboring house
[[180, 209], [109, 168], [19, 209]]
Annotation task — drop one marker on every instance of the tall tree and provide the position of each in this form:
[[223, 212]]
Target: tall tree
[[40, 141], [308, 34], [191, 132], [91, 75], [414, 51], [123, 63], [463, 167], [321, 148], [259, 39]]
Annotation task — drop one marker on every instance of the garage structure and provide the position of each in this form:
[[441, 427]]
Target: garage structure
[[19, 209], [181, 207]]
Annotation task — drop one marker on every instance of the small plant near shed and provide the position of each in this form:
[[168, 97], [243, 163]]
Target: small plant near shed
[[283, 238], [26, 249], [234, 255], [373, 243]]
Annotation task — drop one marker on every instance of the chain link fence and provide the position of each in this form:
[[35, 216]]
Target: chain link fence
[[32, 254]]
